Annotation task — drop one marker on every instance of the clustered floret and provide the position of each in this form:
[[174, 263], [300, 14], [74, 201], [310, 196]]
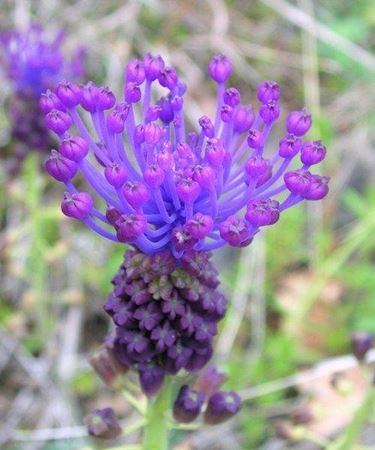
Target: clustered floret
[[165, 313], [168, 189]]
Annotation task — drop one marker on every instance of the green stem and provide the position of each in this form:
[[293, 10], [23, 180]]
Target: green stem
[[347, 440], [156, 429], [38, 270]]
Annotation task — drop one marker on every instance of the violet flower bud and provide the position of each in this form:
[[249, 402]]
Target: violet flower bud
[[135, 72], [317, 189], [165, 159], [132, 93], [153, 113], [139, 134], [77, 205], [60, 168], [289, 146], [226, 113], [130, 227], [207, 126], [68, 93], [361, 344], [168, 78], [243, 117], [166, 111], [205, 176], [116, 118], [232, 97], [102, 423], [105, 99], [151, 378], [153, 175], [188, 405], [74, 148], [221, 407], [268, 91], [299, 122], [58, 121], [152, 133], [313, 153], [153, 66], [88, 97], [255, 139], [269, 111], [136, 194], [234, 231], [256, 166], [298, 181], [220, 68], [188, 190], [116, 175], [49, 101], [263, 212], [199, 225]]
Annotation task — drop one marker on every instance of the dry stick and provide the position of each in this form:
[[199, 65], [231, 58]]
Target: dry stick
[[239, 301], [322, 32], [322, 369], [257, 303], [311, 85]]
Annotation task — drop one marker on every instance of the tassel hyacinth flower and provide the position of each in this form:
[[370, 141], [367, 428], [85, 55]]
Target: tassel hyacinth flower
[[175, 196], [33, 63]]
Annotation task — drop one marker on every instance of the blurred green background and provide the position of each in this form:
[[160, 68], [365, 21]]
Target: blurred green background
[[297, 293]]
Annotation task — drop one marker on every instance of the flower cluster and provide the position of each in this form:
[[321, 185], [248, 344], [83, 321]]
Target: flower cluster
[[165, 314], [33, 64], [166, 189]]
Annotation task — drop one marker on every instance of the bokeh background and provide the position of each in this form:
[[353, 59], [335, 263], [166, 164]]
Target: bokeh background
[[297, 293]]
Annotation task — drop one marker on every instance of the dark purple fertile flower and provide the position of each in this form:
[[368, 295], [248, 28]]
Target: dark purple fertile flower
[[102, 423], [165, 314], [151, 377], [188, 405], [221, 407], [179, 191]]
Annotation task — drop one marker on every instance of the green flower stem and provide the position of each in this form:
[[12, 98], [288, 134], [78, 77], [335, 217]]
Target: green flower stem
[[348, 439], [38, 270], [134, 402], [157, 427]]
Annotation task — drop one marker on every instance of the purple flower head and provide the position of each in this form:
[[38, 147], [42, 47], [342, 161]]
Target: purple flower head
[[176, 190], [221, 407], [188, 405], [102, 423], [34, 61]]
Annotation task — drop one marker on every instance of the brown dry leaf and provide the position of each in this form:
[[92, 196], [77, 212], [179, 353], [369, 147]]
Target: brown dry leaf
[[292, 289], [334, 403]]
